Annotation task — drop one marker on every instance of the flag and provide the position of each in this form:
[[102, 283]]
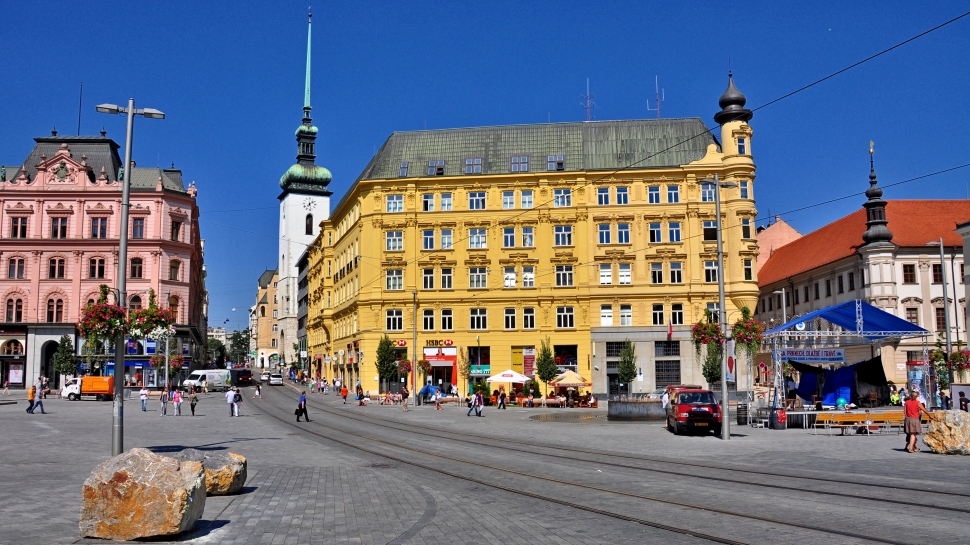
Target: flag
[[670, 330]]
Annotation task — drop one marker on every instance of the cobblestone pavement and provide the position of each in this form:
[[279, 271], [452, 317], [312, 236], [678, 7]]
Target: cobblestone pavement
[[305, 488]]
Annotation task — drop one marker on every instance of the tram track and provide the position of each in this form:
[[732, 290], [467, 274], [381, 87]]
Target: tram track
[[394, 446]]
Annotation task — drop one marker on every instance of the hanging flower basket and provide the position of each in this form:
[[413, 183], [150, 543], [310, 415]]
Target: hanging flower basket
[[706, 331], [101, 321], [748, 333], [403, 367], [149, 320], [424, 366], [176, 362]]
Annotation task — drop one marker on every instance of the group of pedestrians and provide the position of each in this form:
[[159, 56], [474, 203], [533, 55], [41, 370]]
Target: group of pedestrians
[[36, 395], [476, 403], [175, 396]]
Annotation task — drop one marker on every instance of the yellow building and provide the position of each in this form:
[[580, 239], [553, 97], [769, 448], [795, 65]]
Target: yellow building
[[484, 241], [265, 332]]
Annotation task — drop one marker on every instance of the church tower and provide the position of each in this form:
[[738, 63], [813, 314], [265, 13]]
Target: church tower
[[304, 203]]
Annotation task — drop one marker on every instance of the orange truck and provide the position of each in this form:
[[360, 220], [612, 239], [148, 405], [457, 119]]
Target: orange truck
[[100, 388]]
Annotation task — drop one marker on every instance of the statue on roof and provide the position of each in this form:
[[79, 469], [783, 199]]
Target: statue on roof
[[121, 174], [3, 174]]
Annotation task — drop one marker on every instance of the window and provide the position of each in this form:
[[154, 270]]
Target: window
[[173, 270], [446, 278], [427, 279], [714, 309], [606, 316], [479, 318], [274, 341], [656, 273], [395, 203], [525, 199], [744, 189], [529, 318], [18, 228], [710, 271], [476, 200], [655, 233], [59, 228], [404, 169], [135, 303], [626, 315], [276, 328], [99, 228], [564, 275], [16, 268], [15, 313], [828, 288], [707, 192], [528, 237], [909, 274], [427, 321], [446, 239], [625, 275], [136, 267], [510, 277], [677, 314], [309, 224], [937, 273], [445, 202], [710, 231], [673, 194], [476, 238], [436, 167], [96, 268], [749, 273], [520, 163], [528, 276], [275, 315], [606, 275], [394, 279], [603, 196], [667, 372], [137, 228], [838, 280], [851, 281], [55, 309], [56, 268], [604, 233], [564, 235], [562, 198], [940, 318], [742, 150], [508, 237], [427, 239], [623, 195], [564, 318], [613, 350], [477, 277], [912, 316], [510, 318], [746, 228], [176, 231], [473, 165], [816, 291], [447, 320], [676, 273], [394, 320], [653, 194], [673, 231], [427, 202], [657, 314], [508, 200], [555, 162], [623, 233], [806, 294], [394, 241]]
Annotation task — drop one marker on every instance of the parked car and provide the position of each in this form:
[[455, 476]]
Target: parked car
[[215, 379], [276, 379], [242, 377], [264, 376], [657, 394], [693, 409]]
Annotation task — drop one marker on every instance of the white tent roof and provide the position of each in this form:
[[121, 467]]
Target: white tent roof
[[508, 376]]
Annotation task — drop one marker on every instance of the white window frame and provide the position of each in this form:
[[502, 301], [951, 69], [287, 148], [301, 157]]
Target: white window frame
[[477, 238], [710, 272], [606, 274], [426, 316], [657, 314], [427, 279], [565, 318], [528, 276], [707, 192], [653, 194], [476, 200], [511, 278], [478, 319], [528, 237], [525, 198], [447, 319], [677, 314], [606, 315], [394, 279], [477, 278], [676, 272], [623, 195], [508, 200], [555, 163], [529, 318], [508, 237], [626, 274], [623, 233], [510, 318], [655, 232], [626, 315], [564, 276], [446, 202], [394, 241], [673, 231], [519, 163], [436, 167], [395, 204], [563, 235], [427, 202], [743, 190], [446, 239], [447, 278], [562, 198], [394, 320], [673, 194], [427, 242], [604, 235], [656, 273], [603, 196], [473, 165]]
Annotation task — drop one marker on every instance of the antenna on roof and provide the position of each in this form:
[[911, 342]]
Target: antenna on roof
[[589, 104], [80, 95], [659, 96]]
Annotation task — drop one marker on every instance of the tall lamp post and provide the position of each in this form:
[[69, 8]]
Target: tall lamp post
[[721, 309], [780, 385], [118, 417]]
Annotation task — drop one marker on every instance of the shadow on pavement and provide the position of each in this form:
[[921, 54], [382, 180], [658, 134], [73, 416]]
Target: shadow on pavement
[[209, 446]]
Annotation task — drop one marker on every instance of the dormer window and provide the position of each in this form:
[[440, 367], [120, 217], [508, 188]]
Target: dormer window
[[742, 146], [520, 163], [473, 165], [555, 162], [404, 169], [436, 167]]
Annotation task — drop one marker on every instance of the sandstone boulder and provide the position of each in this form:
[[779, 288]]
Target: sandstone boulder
[[225, 472], [141, 494], [949, 432]]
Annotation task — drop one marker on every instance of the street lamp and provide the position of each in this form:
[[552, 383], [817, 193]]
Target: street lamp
[[118, 415], [721, 313], [946, 312]]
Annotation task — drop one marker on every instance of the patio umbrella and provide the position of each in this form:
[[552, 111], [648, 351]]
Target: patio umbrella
[[454, 372], [509, 376], [570, 378]]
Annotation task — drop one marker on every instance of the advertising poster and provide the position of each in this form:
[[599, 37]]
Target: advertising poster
[[185, 348], [529, 361], [151, 346], [732, 362], [16, 373], [441, 356]]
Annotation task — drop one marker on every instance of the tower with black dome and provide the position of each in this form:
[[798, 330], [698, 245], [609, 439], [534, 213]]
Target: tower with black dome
[[733, 118], [304, 203]]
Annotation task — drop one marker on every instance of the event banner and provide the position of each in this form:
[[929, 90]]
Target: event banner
[[810, 355], [732, 362], [441, 356]]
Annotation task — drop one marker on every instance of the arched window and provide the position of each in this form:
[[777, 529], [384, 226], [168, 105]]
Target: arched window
[[173, 304], [55, 310], [173, 269], [12, 347], [15, 310], [135, 303], [262, 312], [309, 224], [136, 268]]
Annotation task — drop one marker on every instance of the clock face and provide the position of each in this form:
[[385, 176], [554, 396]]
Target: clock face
[[309, 204]]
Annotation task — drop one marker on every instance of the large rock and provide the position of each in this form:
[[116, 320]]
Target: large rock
[[225, 472], [949, 432], [142, 494]]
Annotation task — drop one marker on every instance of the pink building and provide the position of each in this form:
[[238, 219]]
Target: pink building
[[59, 235]]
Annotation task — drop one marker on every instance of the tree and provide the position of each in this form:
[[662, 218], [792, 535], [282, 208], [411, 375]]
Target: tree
[[386, 359], [546, 368], [218, 351], [239, 345], [627, 370], [65, 361]]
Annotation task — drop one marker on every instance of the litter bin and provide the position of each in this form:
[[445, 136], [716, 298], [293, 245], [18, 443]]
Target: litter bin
[[779, 419], [742, 414]]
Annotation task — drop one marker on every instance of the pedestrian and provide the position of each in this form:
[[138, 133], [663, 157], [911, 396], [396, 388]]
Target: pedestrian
[[143, 396], [343, 394], [39, 402], [501, 400], [479, 404], [301, 408], [193, 400], [912, 411], [205, 387], [258, 394], [6, 387], [46, 388], [964, 402], [163, 401], [321, 386], [230, 397], [30, 399], [177, 401], [238, 401], [437, 400], [945, 400], [404, 397]]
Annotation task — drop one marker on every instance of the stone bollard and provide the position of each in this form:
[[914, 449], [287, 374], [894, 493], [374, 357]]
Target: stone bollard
[[225, 472], [949, 432], [142, 494]]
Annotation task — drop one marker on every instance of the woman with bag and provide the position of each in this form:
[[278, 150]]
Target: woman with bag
[[177, 401], [404, 397], [193, 400]]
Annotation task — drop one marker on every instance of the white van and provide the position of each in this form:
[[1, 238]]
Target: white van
[[215, 379]]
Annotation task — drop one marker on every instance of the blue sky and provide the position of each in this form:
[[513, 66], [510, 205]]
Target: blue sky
[[229, 76]]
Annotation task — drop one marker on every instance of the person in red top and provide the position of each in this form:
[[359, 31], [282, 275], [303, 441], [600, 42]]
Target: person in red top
[[912, 411]]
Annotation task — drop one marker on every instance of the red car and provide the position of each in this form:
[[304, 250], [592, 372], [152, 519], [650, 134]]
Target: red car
[[693, 409]]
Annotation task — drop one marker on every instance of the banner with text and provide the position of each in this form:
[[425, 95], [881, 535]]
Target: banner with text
[[809, 355]]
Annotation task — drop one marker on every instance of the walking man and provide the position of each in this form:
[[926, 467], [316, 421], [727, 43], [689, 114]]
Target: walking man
[[230, 398], [404, 397], [39, 400], [143, 396], [301, 408], [237, 401], [163, 400], [343, 394], [501, 400], [30, 399]]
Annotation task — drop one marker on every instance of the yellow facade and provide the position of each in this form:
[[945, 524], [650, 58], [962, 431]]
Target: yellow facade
[[369, 266], [266, 330]]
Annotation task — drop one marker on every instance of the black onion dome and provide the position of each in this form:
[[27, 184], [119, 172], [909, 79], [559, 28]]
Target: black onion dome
[[732, 105]]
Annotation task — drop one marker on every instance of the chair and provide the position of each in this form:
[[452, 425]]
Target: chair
[[873, 399]]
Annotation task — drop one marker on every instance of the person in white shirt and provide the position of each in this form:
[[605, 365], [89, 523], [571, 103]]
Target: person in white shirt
[[143, 395], [665, 399], [231, 400]]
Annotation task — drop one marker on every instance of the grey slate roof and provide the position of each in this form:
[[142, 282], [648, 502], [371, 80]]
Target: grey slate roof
[[143, 179], [266, 278]]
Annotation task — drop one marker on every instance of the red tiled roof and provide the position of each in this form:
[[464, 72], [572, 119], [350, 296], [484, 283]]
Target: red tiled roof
[[913, 223]]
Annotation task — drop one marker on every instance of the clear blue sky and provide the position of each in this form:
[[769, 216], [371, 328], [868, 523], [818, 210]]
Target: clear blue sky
[[229, 75]]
